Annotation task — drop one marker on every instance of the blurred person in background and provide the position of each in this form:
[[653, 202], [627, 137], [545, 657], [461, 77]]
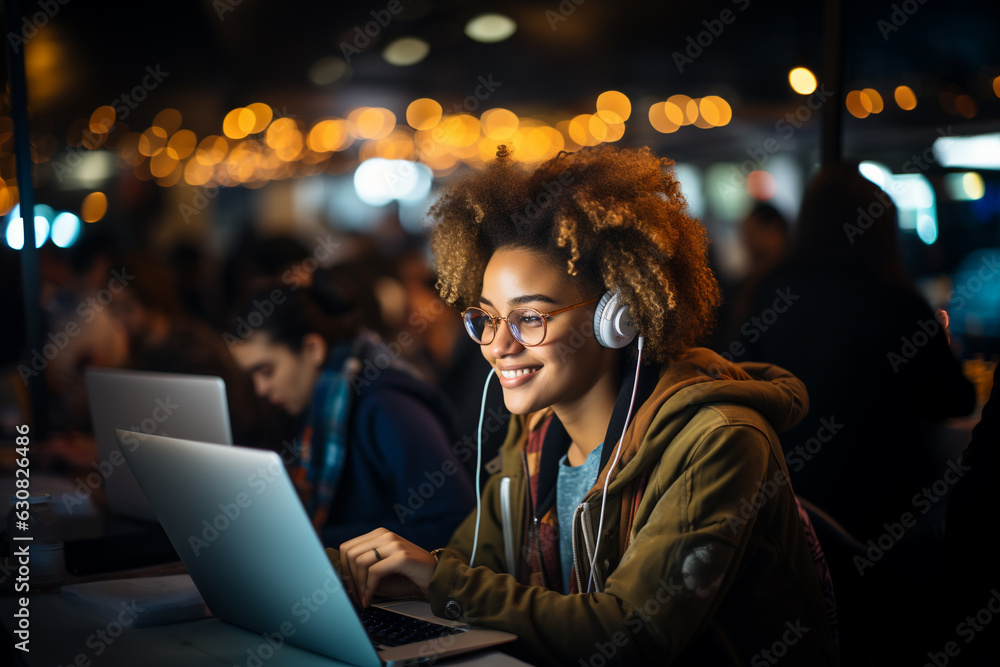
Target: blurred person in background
[[763, 234], [377, 444], [163, 337], [843, 315], [78, 293], [443, 348]]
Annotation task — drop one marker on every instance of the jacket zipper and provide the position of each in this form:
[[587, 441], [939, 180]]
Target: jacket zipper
[[576, 563], [535, 532], [505, 517], [587, 530]]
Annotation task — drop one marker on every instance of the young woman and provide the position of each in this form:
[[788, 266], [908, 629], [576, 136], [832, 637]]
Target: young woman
[[377, 445], [675, 540]]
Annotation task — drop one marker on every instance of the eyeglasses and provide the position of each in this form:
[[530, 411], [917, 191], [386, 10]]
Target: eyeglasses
[[527, 325]]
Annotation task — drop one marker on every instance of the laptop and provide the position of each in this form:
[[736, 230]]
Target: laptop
[[182, 406], [238, 525]]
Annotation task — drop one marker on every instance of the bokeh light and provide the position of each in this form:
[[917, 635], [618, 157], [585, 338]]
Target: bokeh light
[[406, 51], [613, 107], [858, 104], [490, 28], [65, 229], [802, 80], [102, 119], [169, 120], [499, 124], [661, 120], [94, 206], [905, 98], [423, 114], [874, 99]]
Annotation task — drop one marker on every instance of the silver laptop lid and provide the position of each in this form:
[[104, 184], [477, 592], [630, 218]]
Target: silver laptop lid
[[237, 523], [170, 404]]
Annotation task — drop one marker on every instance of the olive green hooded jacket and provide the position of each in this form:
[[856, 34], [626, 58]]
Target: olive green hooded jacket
[[712, 565]]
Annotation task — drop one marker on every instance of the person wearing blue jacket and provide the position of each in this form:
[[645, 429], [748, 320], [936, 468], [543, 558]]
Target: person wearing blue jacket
[[377, 445]]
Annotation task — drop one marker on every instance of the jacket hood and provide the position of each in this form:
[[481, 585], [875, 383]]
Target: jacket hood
[[699, 378]]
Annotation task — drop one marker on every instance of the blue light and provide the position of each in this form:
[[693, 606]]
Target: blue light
[[927, 228], [15, 229], [65, 229]]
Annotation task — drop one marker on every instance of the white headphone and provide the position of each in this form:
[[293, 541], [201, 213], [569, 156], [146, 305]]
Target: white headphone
[[613, 326]]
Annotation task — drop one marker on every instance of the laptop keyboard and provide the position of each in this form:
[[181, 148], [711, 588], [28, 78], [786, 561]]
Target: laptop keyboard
[[389, 628]]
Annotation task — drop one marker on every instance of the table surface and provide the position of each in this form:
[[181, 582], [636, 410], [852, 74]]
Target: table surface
[[65, 634]]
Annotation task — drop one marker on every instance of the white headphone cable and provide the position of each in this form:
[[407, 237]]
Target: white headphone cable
[[618, 452], [479, 464]]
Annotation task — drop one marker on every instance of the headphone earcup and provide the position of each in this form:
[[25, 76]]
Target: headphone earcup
[[613, 326]]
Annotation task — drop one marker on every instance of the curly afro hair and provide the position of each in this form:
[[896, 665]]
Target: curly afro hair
[[614, 218]]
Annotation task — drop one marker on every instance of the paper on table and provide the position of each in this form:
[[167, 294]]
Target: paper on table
[[142, 601]]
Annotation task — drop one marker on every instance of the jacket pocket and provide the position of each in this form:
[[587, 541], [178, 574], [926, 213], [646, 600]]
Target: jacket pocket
[[508, 528]]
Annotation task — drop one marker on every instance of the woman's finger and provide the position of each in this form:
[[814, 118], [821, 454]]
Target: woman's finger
[[365, 562], [362, 555], [380, 571]]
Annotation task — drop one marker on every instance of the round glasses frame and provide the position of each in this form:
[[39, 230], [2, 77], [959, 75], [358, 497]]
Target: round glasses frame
[[518, 314]]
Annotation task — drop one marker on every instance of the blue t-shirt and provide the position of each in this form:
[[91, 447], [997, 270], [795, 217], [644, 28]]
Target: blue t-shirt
[[571, 486]]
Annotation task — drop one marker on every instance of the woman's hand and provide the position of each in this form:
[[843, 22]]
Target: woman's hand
[[384, 563]]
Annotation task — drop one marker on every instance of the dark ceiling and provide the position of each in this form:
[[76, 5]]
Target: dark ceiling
[[225, 53]]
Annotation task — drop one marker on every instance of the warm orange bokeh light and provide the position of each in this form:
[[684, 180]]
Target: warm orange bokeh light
[[94, 206], [905, 98], [423, 114]]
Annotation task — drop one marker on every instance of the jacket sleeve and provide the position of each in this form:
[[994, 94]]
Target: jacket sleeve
[[677, 569]]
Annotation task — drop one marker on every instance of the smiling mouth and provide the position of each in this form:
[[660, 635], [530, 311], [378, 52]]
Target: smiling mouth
[[510, 375]]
